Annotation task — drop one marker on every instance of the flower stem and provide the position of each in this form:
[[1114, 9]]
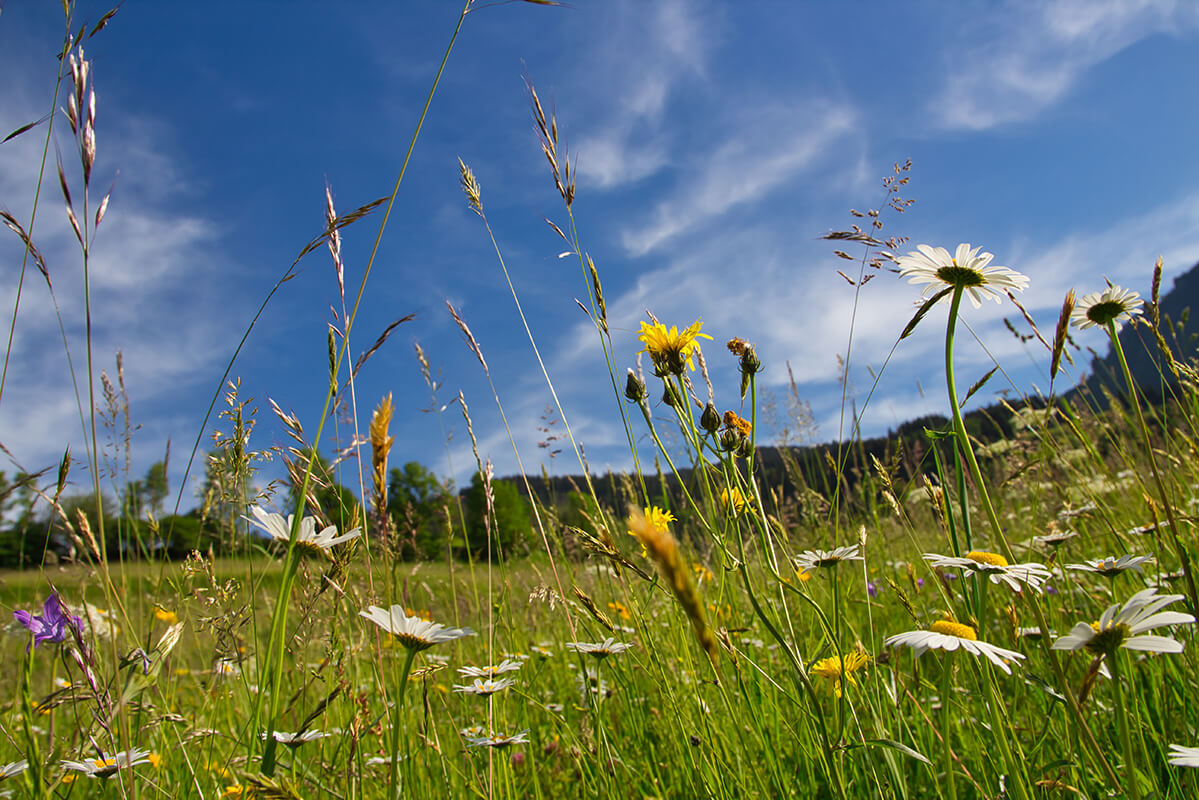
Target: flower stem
[[1130, 769], [393, 764], [947, 726], [1157, 476], [959, 427]]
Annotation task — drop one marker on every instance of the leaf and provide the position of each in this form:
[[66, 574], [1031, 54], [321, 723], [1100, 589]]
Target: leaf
[[924, 309], [894, 745], [25, 128]]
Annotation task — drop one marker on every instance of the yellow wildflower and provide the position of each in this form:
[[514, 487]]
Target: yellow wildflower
[[670, 350]]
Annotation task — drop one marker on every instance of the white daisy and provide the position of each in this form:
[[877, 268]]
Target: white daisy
[[498, 740], [308, 538], [491, 670], [15, 768], [966, 268], [602, 649], [413, 633], [296, 739], [1055, 539], [949, 636], [1184, 756], [995, 567], [107, 766], [1113, 304], [485, 687], [1122, 626], [810, 559], [1111, 565]]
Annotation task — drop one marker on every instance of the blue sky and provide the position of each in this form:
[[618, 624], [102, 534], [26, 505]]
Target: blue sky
[[714, 143]]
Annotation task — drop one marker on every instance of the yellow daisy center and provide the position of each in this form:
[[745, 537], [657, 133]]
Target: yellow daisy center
[[954, 629], [983, 557]]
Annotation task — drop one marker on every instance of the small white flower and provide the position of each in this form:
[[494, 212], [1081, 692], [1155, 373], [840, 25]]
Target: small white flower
[[491, 670], [950, 636], [1184, 756], [1113, 304], [225, 668], [308, 538], [967, 268], [810, 559], [107, 766], [1112, 566], [15, 768], [296, 739], [1055, 538], [1122, 626], [498, 740], [485, 687], [602, 649], [995, 567], [413, 633]]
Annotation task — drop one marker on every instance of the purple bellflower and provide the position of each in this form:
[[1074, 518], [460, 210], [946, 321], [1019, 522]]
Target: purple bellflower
[[53, 625]]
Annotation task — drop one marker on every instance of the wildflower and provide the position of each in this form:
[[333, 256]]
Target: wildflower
[[307, 539], [1055, 538], [483, 687], [995, 567], [834, 668], [732, 499], [736, 424], [15, 768], [670, 350], [163, 615], [296, 739], [966, 269], [1122, 626], [658, 520], [599, 650], [949, 636], [1184, 756], [702, 573], [491, 670], [810, 559], [1113, 305], [498, 740], [226, 668], [872, 589], [1111, 566], [542, 651], [413, 633], [52, 625], [107, 766]]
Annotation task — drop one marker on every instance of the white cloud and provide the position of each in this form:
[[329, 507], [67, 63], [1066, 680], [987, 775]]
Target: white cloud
[[1018, 60]]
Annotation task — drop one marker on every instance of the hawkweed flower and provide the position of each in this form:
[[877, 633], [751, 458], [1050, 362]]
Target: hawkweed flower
[[732, 499], [811, 559], [308, 539], [53, 625], [163, 615], [670, 350], [949, 636], [1184, 756], [600, 650], [498, 740], [835, 668], [1124, 626], [484, 687], [491, 670], [107, 766], [1111, 566], [413, 633], [966, 268], [995, 567], [1113, 305]]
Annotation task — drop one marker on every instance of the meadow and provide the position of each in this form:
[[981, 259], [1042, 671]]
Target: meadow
[[966, 618]]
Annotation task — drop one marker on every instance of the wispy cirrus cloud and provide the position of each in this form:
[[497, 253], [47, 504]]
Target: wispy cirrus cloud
[[1016, 60]]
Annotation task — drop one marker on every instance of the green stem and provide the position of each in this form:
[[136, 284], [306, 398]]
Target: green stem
[[401, 685], [959, 428], [278, 639], [1130, 769], [947, 725], [1157, 476]]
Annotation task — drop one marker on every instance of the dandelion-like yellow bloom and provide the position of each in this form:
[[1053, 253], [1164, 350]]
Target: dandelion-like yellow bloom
[[670, 350], [834, 668], [169, 617], [733, 498], [735, 423]]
